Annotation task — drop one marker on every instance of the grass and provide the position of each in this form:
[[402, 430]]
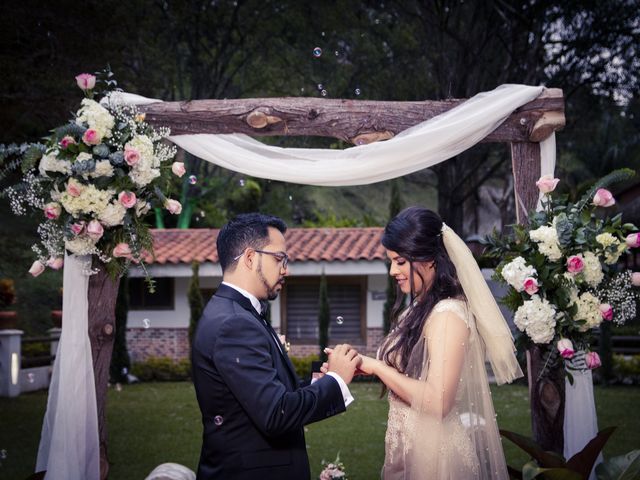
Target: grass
[[153, 423]]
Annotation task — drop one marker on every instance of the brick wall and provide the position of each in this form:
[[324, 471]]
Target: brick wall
[[174, 343], [143, 343], [374, 338]]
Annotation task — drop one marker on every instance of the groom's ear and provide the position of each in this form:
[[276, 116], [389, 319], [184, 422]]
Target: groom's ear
[[249, 258]]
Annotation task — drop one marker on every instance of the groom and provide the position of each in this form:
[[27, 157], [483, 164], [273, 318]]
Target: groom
[[253, 406]]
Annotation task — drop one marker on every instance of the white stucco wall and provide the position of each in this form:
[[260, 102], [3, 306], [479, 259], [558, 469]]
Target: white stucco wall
[[211, 276]]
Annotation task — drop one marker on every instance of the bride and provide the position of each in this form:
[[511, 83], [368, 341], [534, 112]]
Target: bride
[[441, 419]]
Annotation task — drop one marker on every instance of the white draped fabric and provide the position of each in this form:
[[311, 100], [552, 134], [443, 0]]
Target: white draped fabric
[[416, 148], [69, 446], [580, 419]]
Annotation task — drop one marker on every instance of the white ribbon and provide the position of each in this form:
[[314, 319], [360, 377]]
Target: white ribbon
[[421, 146], [69, 444], [580, 419]]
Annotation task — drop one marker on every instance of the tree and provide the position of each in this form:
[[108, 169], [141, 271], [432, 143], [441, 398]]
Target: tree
[[196, 304], [323, 317], [395, 206], [120, 361]]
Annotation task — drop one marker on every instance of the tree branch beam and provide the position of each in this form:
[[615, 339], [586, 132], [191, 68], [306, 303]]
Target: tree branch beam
[[354, 121]]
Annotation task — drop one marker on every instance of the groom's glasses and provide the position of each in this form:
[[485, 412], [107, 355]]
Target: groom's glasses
[[281, 257]]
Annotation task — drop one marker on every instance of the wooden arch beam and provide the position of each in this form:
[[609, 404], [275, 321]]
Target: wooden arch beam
[[354, 121]]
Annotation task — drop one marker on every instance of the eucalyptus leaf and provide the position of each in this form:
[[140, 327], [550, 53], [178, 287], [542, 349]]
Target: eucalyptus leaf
[[101, 150]]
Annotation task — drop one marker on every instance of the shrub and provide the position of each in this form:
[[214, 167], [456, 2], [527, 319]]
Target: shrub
[[163, 369], [7, 293], [303, 365]]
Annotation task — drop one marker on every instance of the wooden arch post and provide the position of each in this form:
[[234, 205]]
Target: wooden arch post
[[360, 122]]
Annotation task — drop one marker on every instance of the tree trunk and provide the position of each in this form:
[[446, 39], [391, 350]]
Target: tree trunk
[[546, 395], [450, 205], [103, 293]]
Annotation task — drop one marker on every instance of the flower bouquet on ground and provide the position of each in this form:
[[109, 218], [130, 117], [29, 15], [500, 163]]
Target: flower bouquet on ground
[[333, 471], [563, 273], [94, 180]]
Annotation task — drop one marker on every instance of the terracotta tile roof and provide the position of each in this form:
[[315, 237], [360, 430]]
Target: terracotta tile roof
[[173, 246]]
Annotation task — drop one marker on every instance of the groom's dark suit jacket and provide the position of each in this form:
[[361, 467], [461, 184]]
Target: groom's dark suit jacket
[[253, 406]]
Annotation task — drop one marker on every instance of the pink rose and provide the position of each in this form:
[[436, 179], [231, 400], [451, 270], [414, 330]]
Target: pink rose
[[95, 229], [547, 183], [575, 264], [66, 141], [173, 206], [565, 347], [122, 250], [603, 198], [86, 81], [37, 268], [127, 199], [178, 169], [131, 156], [530, 285], [633, 240], [74, 188], [78, 227], [52, 210], [635, 279], [593, 360], [91, 137], [55, 262], [606, 311]]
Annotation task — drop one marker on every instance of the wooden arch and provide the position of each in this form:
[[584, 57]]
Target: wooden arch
[[361, 122]]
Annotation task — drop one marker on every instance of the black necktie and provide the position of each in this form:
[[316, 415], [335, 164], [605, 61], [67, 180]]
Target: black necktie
[[263, 316]]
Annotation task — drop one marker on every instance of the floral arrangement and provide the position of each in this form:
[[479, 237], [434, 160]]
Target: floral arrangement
[[333, 470], [562, 269], [7, 293], [94, 180]]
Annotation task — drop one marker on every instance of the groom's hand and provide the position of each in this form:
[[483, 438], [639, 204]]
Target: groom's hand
[[343, 360]]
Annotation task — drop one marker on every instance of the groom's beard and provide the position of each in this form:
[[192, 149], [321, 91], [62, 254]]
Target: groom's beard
[[272, 292]]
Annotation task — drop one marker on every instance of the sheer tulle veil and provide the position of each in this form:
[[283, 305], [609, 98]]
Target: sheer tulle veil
[[452, 430]]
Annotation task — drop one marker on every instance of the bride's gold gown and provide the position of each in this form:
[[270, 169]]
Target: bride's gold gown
[[450, 430]]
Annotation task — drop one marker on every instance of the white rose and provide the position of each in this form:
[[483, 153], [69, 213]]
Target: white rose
[[84, 156], [113, 214], [50, 163], [103, 169]]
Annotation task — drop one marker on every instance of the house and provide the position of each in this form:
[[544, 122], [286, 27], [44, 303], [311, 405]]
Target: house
[[352, 259]]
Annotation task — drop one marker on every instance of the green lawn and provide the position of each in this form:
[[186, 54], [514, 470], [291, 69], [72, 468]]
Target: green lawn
[[154, 423]]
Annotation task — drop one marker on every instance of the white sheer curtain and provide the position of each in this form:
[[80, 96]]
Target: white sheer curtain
[[69, 447]]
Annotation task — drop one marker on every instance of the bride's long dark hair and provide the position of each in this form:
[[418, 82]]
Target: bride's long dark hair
[[416, 235]]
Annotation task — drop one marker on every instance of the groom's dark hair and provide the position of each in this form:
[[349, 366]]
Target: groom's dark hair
[[248, 230]]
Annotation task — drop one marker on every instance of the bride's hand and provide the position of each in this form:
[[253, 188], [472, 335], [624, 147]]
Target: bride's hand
[[360, 370], [366, 365]]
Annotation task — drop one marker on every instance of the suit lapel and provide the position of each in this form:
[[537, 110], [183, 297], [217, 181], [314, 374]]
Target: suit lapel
[[232, 294]]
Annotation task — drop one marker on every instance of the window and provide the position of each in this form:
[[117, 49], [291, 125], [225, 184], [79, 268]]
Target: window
[[347, 297], [141, 299]]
